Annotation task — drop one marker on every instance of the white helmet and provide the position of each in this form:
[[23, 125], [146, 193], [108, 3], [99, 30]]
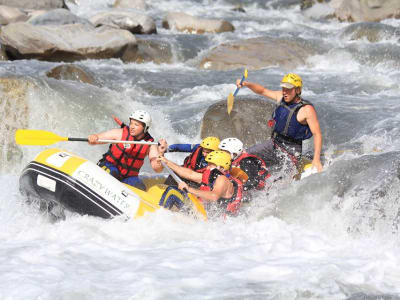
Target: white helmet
[[141, 116], [233, 145]]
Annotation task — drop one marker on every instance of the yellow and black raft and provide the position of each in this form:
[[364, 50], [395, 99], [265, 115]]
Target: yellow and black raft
[[79, 185]]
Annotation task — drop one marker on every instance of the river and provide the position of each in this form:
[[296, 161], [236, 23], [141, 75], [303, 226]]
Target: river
[[333, 235]]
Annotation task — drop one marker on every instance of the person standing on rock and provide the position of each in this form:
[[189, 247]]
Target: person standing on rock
[[293, 121]]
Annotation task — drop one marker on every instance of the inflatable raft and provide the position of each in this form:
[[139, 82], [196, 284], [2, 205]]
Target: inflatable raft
[[58, 177]]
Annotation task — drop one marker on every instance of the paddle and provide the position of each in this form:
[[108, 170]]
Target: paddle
[[172, 173], [192, 200], [231, 97], [34, 137]]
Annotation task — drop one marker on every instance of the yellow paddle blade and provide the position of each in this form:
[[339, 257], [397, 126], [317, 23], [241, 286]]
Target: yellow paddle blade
[[245, 73], [198, 205], [230, 103], [37, 137]]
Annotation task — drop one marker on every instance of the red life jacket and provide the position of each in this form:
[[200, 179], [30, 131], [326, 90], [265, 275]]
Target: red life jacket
[[232, 204], [128, 160], [193, 161], [262, 174]]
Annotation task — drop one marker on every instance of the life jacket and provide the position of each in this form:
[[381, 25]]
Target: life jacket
[[232, 204], [195, 160], [262, 173], [128, 160], [286, 128]]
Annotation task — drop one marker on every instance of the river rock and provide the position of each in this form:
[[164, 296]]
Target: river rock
[[14, 111], [135, 4], [184, 22], [156, 51], [132, 21], [34, 4], [305, 4], [72, 72], [3, 54], [366, 10], [247, 121], [372, 31], [258, 53], [59, 16], [65, 42], [11, 14]]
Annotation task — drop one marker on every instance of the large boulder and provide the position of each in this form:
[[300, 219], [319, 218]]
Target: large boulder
[[72, 72], [187, 23], [34, 4], [366, 10], [247, 121], [132, 21], [59, 16], [14, 111], [65, 42], [134, 4], [258, 53], [11, 14]]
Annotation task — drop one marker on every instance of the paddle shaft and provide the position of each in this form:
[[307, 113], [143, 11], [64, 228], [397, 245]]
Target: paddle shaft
[[113, 141], [237, 89], [176, 177], [124, 142]]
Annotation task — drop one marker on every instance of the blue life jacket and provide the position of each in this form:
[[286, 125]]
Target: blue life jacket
[[286, 128]]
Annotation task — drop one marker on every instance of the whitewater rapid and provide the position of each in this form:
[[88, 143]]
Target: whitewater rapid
[[333, 235]]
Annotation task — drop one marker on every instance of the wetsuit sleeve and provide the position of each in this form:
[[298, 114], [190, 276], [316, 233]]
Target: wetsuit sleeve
[[182, 147]]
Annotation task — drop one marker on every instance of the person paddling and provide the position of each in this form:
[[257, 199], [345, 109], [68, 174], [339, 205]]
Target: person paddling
[[124, 161], [196, 160], [198, 152], [294, 120], [251, 164], [217, 188]]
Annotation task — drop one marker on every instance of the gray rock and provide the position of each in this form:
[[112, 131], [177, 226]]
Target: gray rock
[[72, 72], [247, 121], [135, 4], [65, 42], [11, 14], [34, 4], [366, 10], [3, 54], [15, 112], [305, 4], [150, 51], [258, 53], [184, 22], [372, 31], [58, 16], [132, 21]]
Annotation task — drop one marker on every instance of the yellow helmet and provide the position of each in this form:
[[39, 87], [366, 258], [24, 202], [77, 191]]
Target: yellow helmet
[[219, 158], [210, 142], [291, 80]]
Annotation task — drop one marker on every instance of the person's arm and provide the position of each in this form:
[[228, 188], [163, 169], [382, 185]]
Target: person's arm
[[113, 134], [182, 171], [313, 123], [155, 152], [219, 190], [259, 89], [182, 147]]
